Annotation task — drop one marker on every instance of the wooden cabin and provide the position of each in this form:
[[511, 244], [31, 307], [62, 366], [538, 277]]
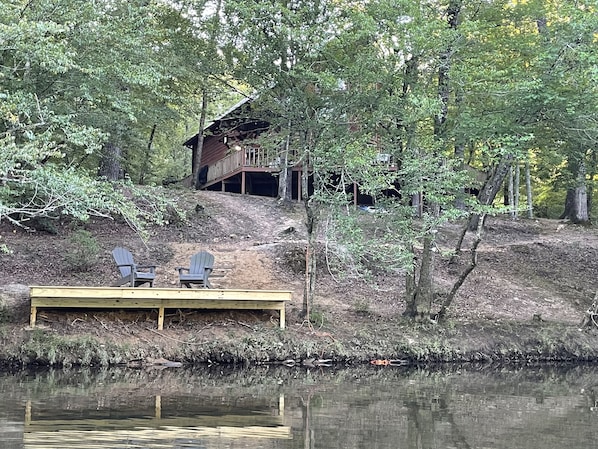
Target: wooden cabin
[[232, 161]]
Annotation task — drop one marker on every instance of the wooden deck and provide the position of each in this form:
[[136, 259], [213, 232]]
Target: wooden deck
[[156, 298]]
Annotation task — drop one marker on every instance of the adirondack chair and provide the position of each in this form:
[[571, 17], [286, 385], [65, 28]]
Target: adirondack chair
[[130, 271], [198, 271]]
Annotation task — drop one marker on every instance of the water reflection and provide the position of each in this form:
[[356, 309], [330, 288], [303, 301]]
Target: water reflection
[[270, 407], [176, 421]]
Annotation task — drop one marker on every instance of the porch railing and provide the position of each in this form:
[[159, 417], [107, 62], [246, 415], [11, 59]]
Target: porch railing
[[224, 166], [250, 156]]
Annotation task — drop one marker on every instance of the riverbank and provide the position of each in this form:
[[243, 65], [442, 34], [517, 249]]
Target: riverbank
[[523, 303]]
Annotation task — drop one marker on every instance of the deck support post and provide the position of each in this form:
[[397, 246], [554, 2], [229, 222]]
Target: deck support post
[[160, 318], [282, 317], [33, 316]]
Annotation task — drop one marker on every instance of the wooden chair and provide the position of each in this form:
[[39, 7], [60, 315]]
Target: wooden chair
[[129, 270], [198, 272]]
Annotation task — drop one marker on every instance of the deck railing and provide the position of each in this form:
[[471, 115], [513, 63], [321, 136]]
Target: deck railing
[[226, 165], [257, 157], [249, 156]]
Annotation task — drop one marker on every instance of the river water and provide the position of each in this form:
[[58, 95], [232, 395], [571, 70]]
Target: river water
[[280, 407]]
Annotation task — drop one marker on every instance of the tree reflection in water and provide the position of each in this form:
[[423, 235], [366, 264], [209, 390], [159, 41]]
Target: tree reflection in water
[[293, 407]]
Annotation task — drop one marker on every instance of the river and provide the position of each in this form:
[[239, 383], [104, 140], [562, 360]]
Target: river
[[281, 407]]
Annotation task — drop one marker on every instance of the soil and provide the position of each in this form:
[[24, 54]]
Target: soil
[[531, 274]]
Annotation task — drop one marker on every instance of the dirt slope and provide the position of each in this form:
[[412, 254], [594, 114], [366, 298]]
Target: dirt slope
[[546, 268]]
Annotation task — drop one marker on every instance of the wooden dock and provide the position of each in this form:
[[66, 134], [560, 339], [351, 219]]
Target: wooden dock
[[156, 298]]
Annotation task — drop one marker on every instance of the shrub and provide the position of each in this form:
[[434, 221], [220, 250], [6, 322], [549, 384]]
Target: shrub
[[84, 251]]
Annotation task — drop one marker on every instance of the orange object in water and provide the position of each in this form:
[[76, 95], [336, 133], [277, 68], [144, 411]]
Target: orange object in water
[[380, 362]]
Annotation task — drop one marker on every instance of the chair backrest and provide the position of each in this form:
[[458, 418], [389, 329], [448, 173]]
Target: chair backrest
[[124, 257], [201, 261]]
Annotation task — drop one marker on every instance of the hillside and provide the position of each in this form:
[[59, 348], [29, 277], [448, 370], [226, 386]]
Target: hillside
[[532, 276]]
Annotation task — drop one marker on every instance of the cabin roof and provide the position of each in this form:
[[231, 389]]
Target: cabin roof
[[215, 123]]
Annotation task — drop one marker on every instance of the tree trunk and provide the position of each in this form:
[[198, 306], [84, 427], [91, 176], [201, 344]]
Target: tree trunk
[[310, 261], [516, 188], [417, 205], [410, 286], [491, 188], [285, 178], [424, 293], [110, 165], [466, 272], [147, 159], [511, 192], [198, 148], [444, 87], [528, 188], [460, 156], [576, 202], [309, 291], [576, 205], [592, 175]]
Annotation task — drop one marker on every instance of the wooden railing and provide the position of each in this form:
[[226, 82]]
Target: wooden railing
[[249, 156], [223, 167], [260, 157]]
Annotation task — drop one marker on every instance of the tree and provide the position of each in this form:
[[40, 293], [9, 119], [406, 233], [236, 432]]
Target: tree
[[77, 80], [280, 58], [569, 82]]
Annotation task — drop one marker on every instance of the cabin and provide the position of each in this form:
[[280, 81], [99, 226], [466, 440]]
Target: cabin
[[231, 159]]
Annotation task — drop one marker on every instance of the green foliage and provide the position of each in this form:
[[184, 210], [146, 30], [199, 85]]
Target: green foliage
[[61, 102], [83, 252], [51, 192], [362, 243]]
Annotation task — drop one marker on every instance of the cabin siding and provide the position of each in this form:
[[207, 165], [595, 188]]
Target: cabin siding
[[213, 150]]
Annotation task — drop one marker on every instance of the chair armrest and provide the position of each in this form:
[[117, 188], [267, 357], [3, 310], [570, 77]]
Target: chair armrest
[[181, 269]]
